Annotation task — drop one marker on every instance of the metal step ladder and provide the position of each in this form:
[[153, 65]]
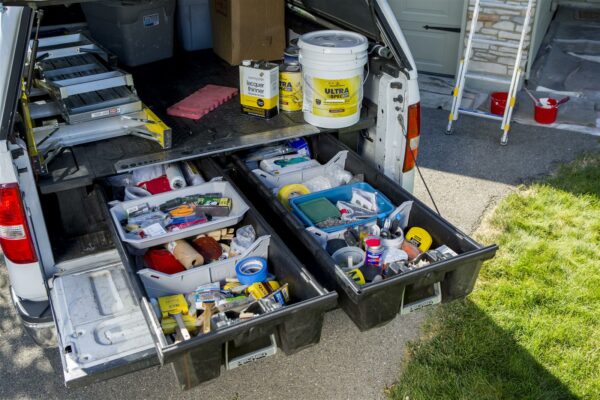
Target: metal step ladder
[[78, 97], [464, 74]]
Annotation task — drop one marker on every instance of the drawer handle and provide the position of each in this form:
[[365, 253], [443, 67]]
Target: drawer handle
[[422, 303], [250, 357]]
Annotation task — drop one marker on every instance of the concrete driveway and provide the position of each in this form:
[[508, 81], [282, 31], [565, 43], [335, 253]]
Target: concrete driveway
[[467, 173]]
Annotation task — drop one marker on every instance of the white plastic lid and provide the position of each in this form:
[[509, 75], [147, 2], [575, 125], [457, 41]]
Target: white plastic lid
[[334, 42]]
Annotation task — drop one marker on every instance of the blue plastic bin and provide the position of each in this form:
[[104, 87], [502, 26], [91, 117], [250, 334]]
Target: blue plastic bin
[[343, 193], [194, 25]]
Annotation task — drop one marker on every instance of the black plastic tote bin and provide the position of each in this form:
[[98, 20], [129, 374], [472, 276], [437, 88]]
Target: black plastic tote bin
[[376, 303], [295, 326]]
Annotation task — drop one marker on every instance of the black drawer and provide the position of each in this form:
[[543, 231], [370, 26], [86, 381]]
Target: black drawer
[[376, 303]]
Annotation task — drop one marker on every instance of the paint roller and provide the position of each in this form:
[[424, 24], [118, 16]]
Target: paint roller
[[175, 176], [185, 254]]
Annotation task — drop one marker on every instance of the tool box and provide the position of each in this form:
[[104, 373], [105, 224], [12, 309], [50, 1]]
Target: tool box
[[293, 327], [376, 303]]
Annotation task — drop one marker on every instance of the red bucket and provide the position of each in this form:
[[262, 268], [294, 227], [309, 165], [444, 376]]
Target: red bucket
[[499, 100], [547, 112]]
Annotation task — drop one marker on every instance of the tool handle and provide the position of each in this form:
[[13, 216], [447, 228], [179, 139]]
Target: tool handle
[[535, 99], [181, 329], [563, 101]]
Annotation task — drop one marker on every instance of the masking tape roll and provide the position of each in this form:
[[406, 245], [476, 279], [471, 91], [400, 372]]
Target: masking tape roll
[[288, 190], [251, 270]]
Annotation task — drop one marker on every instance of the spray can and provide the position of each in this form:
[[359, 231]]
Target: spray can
[[290, 87], [259, 92], [374, 257]]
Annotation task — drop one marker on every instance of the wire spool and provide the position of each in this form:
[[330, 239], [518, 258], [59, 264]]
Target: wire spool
[[288, 191]]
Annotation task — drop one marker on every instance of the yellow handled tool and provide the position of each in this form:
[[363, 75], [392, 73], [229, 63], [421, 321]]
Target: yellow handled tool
[[175, 306]]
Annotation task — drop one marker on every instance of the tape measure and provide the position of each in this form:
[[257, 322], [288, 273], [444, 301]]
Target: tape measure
[[420, 238], [287, 191], [357, 276]]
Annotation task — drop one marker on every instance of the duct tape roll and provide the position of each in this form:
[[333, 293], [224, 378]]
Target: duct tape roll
[[292, 190], [251, 270], [134, 192], [175, 176]]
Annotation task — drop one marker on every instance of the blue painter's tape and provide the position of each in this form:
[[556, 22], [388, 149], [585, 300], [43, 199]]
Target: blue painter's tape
[[251, 270]]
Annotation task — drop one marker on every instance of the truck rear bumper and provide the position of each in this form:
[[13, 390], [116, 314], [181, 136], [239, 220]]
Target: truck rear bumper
[[37, 320]]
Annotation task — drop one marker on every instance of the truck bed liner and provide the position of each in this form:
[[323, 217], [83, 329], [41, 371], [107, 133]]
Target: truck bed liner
[[161, 85]]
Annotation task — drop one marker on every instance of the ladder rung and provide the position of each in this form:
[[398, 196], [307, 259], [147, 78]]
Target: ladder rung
[[487, 78], [482, 114], [479, 39], [505, 6]]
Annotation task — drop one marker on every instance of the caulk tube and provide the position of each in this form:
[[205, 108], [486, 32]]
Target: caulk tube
[[191, 173]]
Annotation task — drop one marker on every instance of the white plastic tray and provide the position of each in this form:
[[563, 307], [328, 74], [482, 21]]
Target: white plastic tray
[[159, 284], [238, 209], [276, 181]]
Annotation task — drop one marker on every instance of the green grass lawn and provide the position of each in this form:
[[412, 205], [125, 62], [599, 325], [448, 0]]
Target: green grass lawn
[[531, 328]]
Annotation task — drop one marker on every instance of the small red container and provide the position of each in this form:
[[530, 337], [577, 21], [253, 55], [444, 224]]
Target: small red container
[[547, 113], [498, 102]]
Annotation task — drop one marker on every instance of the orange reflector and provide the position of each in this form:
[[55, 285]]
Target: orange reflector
[[413, 132]]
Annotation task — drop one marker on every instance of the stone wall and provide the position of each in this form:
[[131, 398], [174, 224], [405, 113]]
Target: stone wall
[[502, 25]]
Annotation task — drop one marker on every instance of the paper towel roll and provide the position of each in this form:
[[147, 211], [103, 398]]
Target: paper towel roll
[[175, 176], [191, 173], [185, 254]]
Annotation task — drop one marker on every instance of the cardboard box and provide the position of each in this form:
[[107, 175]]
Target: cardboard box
[[248, 29]]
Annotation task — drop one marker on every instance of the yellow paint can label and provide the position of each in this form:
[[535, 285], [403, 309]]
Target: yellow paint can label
[[290, 90], [336, 97]]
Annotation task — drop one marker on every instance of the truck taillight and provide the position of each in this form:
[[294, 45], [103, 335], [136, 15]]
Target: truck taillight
[[413, 132], [15, 238]]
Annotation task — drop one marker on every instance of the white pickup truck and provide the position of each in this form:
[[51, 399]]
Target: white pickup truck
[[57, 236]]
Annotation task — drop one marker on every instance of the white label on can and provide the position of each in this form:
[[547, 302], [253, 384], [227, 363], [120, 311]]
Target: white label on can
[[151, 20]]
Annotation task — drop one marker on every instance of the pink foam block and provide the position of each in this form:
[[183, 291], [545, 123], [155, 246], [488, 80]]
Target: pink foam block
[[202, 101]]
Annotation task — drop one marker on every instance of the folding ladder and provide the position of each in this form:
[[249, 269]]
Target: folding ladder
[[74, 79], [463, 71]]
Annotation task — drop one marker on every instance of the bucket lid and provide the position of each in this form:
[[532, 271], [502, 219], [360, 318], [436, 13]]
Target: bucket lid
[[333, 42]]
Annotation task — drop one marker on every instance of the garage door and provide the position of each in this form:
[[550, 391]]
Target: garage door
[[432, 30]]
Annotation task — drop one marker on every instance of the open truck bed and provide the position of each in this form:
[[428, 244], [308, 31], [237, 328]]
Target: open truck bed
[[160, 85]]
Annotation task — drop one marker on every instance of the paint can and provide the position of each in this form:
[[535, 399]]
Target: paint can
[[259, 88], [290, 54], [333, 65], [374, 251], [290, 87]]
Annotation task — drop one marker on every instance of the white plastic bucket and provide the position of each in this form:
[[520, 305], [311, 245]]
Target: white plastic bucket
[[332, 73]]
